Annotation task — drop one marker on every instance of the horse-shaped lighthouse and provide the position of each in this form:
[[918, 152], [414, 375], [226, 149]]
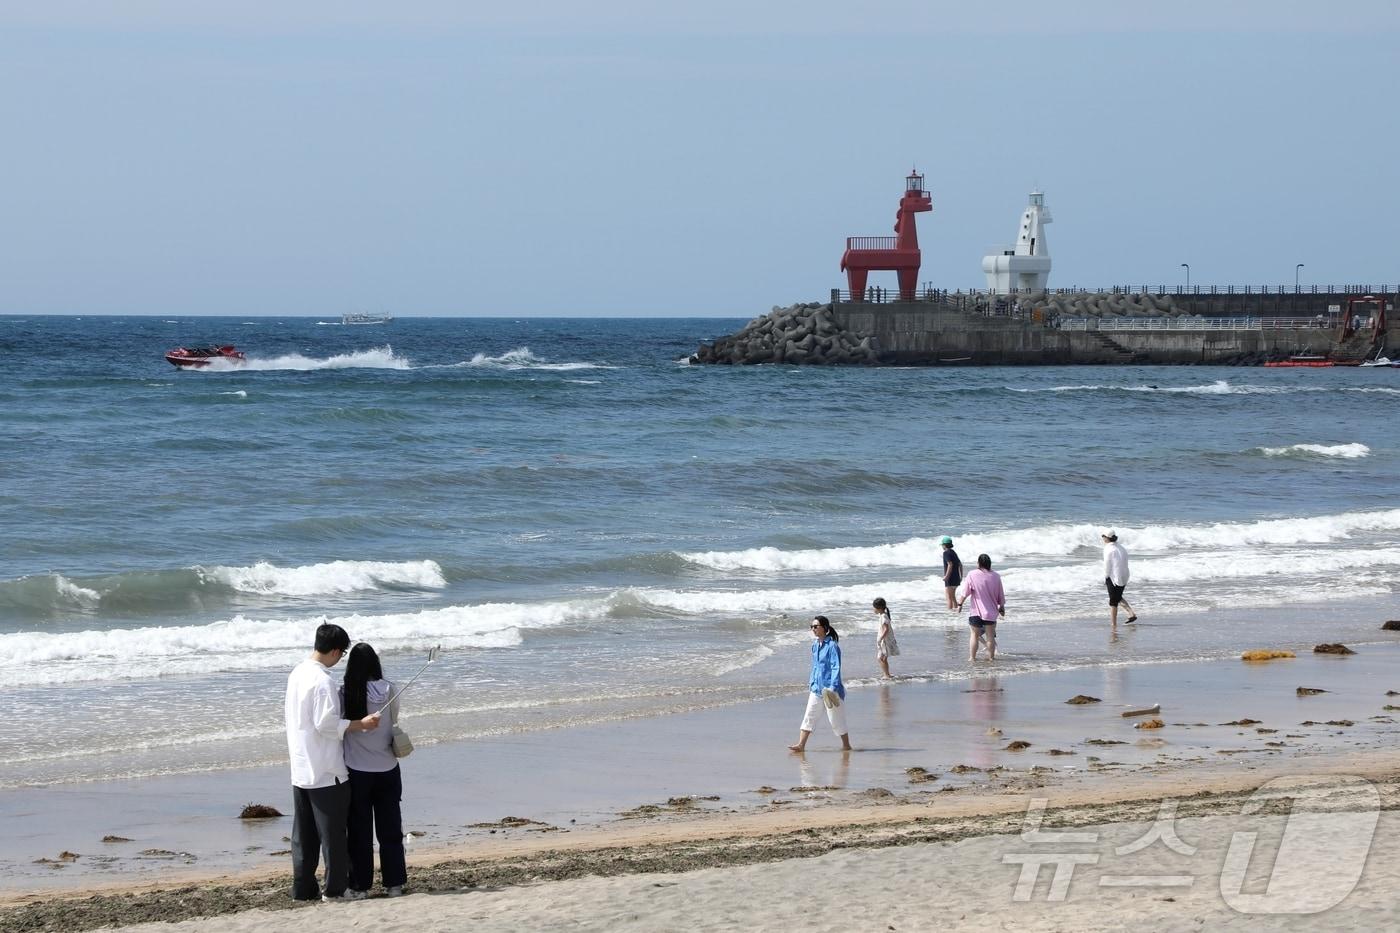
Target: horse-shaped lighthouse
[[899, 252]]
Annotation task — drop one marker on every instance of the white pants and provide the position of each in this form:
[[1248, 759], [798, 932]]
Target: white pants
[[815, 707]]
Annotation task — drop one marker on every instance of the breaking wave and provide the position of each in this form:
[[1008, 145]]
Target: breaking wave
[[1344, 451], [1050, 541]]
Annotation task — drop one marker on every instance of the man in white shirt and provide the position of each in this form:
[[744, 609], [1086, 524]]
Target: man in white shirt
[[1115, 575], [320, 783]]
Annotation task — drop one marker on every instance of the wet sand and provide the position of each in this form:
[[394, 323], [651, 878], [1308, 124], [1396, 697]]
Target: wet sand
[[596, 816]]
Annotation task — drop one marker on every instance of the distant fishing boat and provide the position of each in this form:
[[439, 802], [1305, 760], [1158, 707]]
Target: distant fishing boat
[[1383, 361], [203, 356], [366, 318]]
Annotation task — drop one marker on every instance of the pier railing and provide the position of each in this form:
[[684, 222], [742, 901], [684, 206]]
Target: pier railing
[[1195, 322], [926, 292]]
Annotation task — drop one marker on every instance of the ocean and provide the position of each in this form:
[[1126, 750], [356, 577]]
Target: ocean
[[593, 529]]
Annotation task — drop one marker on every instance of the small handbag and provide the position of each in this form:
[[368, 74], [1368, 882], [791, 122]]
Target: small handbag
[[401, 743]]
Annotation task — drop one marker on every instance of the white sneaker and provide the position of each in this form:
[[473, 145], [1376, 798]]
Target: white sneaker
[[350, 895], [395, 891]]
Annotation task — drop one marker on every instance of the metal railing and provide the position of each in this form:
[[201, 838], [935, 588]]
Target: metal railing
[[928, 293], [872, 242], [1195, 323]]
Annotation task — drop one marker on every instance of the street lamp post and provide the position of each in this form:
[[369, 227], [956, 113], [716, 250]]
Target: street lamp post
[[1187, 267], [1296, 269]]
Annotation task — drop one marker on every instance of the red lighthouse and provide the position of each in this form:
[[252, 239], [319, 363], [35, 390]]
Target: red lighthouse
[[899, 252]]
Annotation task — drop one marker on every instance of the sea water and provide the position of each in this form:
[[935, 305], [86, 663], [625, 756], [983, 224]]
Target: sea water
[[592, 529]]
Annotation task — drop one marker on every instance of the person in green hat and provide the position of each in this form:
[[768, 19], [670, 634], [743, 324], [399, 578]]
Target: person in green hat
[[952, 572]]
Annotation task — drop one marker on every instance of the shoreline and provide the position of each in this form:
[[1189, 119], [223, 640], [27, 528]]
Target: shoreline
[[771, 805]]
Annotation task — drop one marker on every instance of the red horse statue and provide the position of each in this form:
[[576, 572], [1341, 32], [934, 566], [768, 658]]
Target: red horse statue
[[899, 252]]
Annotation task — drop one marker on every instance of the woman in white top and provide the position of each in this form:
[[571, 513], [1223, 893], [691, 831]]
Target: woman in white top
[[886, 646], [376, 785]]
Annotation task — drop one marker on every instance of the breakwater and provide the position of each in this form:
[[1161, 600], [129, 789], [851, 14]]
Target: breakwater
[[1222, 328]]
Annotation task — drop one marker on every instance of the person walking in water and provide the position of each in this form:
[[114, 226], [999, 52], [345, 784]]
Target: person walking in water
[[983, 587], [825, 690], [1115, 576], [886, 646], [952, 572]]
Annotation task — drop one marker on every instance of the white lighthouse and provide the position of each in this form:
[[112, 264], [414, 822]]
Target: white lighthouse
[[1027, 266]]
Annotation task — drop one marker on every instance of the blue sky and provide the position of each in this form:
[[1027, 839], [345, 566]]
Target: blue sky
[[631, 158]]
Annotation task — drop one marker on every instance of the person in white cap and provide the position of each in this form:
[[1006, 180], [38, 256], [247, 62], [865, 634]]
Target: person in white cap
[[1115, 575]]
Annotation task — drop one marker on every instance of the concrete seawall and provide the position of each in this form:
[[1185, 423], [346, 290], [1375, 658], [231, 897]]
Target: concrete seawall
[[932, 334], [1058, 329]]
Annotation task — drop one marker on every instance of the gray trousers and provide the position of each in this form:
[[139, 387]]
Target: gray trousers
[[318, 826]]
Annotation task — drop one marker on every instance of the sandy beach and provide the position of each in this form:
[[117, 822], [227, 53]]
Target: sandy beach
[[713, 825]]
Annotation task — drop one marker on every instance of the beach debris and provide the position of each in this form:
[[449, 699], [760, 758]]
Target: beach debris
[[1310, 691], [876, 792], [1242, 722], [993, 730], [1017, 746], [258, 811], [1152, 710], [1277, 744], [1332, 649], [1266, 655], [1392, 626], [765, 789], [918, 775], [115, 839], [506, 822], [1392, 693], [1389, 708], [1231, 751], [1060, 751], [1266, 731], [281, 852], [1103, 742], [1330, 722], [646, 809], [964, 769], [800, 789], [1150, 724], [1080, 699]]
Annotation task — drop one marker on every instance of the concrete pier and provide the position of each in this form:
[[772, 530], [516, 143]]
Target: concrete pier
[[1065, 328]]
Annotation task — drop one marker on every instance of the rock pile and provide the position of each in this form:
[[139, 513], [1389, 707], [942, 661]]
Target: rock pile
[[1100, 304], [799, 334]]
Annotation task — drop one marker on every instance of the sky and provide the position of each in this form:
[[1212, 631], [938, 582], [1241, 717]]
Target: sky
[[613, 158]]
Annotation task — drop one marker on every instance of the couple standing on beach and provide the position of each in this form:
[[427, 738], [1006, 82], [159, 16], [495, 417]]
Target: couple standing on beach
[[346, 782]]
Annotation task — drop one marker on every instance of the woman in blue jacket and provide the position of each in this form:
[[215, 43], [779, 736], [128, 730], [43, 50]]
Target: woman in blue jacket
[[826, 692]]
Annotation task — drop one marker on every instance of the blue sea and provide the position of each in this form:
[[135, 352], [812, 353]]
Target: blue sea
[[593, 529]]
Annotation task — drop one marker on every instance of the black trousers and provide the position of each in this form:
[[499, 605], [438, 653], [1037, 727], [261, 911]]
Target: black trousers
[[374, 810], [318, 826]]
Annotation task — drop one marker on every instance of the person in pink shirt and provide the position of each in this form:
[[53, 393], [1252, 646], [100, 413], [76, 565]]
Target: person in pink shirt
[[983, 587]]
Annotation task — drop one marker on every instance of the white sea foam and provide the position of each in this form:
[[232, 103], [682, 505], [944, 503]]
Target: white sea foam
[[244, 644], [378, 358], [522, 358], [328, 579], [1049, 541], [241, 393], [1344, 451]]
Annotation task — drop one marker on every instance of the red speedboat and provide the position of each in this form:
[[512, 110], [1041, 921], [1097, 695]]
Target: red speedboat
[[203, 356]]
